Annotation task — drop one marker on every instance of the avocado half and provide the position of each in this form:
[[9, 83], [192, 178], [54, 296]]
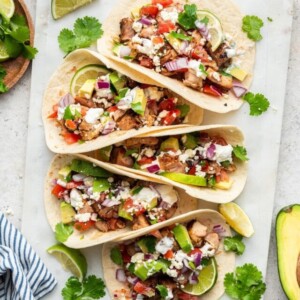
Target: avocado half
[[288, 250]]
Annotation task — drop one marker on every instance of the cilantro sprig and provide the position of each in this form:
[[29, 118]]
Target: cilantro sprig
[[252, 26], [188, 16], [85, 32], [258, 103], [240, 152], [3, 87], [62, 232], [15, 35], [234, 244], [90, 288], [246, 283]]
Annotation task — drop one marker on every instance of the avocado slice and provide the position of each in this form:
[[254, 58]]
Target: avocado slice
[[182, 237], [139, 102], [86, 91], [87, 168], [185, 178], [117, 81], [104, 153], [288, 250], [124, 213], [174, 42], [65, 173], [238, 73], [170, 144], [149, 268], [100, 185], [224, 185], [67, 212], [147, 244], [190, 141]]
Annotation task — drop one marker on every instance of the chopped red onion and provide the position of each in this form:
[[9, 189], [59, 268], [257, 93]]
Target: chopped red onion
[[148, 256], [164, 205], [66, 100], [184, 46], [109, 127], [110, 203], [78, 177], [145, 21], [202, 29], [238, 89], [124, 51], [197, 258], [193, 278], [103, 84], [132, 280], [186, 264], [177, 64], [120, 275], [220, 230], [67, 198], [153, 168], [210, 152]]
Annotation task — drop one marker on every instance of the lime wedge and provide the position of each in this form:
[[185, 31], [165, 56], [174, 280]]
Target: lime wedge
[[237, 218], [62, 7], [207, 279], [7, 8], [85, 73], [214, 28], [185, 178], [3, 53], [71, 259]]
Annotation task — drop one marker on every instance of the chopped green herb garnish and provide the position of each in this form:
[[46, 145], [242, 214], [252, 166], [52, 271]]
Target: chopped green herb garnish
[[116, 256], [188, 17], [240, 152], [3, 87], [136, 190], [202, 69], [184, 110], [270, 19], [234, 244], [180, 36], [163, 291], [258, 103], [205, 20], [252, 26]]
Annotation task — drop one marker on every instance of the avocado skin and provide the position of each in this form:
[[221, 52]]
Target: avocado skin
[[288, 249]]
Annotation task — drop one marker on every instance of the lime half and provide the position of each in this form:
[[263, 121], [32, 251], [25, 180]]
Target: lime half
[[185, 178], [3, 53], [214, 28], [85, 73], [62, 7], [7, 8], [207, 279], [71, 259], [237, 218]]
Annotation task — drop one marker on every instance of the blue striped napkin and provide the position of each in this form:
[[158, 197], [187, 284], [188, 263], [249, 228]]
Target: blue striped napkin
[[22, 273]]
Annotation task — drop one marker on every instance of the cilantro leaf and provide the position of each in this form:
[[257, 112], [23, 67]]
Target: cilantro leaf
[[85, 32], [240, 152], [205, 20], [184, 110], [245, 283], [19, 20], [258, 103], [234, 244], [116, 256], [180, 36], [12, 47], [269, 19], [62, 232], [90, 288], [252, 26], [3, 87], [188, 17], [29, 52], [163, 291], [2, 72]]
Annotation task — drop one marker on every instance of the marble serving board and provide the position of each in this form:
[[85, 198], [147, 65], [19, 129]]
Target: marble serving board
[[262, 133]]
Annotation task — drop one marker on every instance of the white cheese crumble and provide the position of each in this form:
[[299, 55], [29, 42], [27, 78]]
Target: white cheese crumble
[[137, 26], [230, 52], [223, 153], [216, 76], [169, 15], [136, 39], [164, 245], [156, 61], [93, 114], [207, 250], [195, 65], [168, 194], [199, 172], [76, 199], [144, 197], [138, 257], [83, 217]]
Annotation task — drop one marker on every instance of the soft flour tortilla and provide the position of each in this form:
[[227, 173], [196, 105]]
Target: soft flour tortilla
[[59, 85], [93, 236], [233, 136], [225, 260], [231, 20]]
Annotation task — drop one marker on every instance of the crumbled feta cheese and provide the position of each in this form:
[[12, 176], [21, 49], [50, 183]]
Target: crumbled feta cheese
[[93, 114], [172, 273], [159, 6], [138, 257], [61, 183], [164, 245], [177, 260], [76, 199], [60, 113], [163, 114], [199, 172], [149, 152], [230, 52], [95, 196], [144, 197], [124, 193], [207, 250], [216, 76], [170, 295], [223, 153], [169, 15], [188, 153], [156, 61], [147, 48], [83, 217], [195, 65], [168, 194], [137, 26], [136, 39]]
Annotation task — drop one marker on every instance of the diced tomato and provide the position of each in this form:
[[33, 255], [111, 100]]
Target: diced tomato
[[145, 160], [70, 124], [156, 233], [204, 165], [126, 257], [71, 138], [149, 10], [195, 251], [224, 176], [83, 226], [167, 104], [192, 170], [140, 288], [169, 254], [54, 114], [140, 211], [171, 117], [211, 90], [164, 3], [157, 40], [200, 53], [165, 27], [84, 110], [184, 296], [112, 108], [57, 191], [73, 184], [128, 203]]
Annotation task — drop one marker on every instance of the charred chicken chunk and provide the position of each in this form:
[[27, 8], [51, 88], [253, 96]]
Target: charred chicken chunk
[[140, 222], [171, 163], [220, 55], [119, 157], [127, 32], [90, 131], [213, 239], [192, 80], [219, 79], [197, 232]]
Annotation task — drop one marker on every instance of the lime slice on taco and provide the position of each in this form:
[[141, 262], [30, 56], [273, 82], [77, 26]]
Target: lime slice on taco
[[3, 53]]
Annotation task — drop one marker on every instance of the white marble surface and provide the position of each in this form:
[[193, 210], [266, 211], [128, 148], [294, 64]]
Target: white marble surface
[[14, 117]]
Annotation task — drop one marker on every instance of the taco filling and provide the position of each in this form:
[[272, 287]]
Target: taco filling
[[193, 158], [114, 102], [91, 197], [177, 263], [185, 43]]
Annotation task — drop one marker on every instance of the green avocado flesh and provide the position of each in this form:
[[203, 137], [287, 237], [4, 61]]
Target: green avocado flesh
[[147, 269], [182, 237], [170, 144], [88, 168], [288, 249], [67, 212], [185, 178]]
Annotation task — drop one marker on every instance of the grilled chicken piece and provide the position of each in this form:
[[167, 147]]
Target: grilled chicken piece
[[219, 79], [171, 163], [220, 55], [169, 213], [96, 207], [114, 224], [145, 61], [118, 114], [85, 209], [127, 32], [213, 239], [127, 122], [102, 226], [170, 55], [147, 32], [153, 93], [140, 222], [214, 168], [85, 102], [191, 79], [118, 157], [197, 232], [90, 131], [137, 142], [108, 212], [131, 249]]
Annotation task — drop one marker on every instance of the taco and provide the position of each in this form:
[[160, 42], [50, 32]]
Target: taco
[[197, 49], [202, 160], [92, 102], [103, 203], [184, 260]]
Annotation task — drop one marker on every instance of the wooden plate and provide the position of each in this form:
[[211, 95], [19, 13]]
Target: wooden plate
[[16, 67]]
